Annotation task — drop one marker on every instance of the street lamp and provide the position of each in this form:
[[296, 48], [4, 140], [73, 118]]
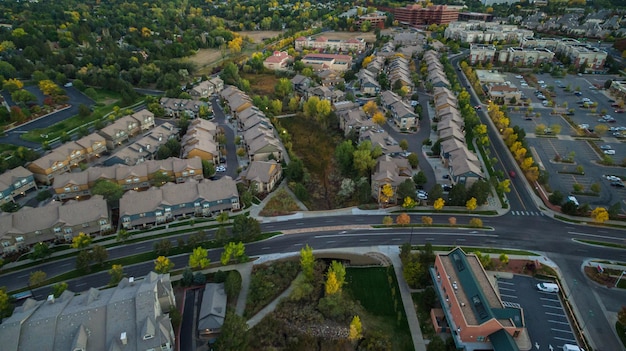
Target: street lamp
[[620, 278]]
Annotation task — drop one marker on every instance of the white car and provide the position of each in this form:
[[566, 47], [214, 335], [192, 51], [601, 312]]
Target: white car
[[609, 152], [421, 194], [573, 199], [548, 287], [540, 82], [519, 77], [220, 169], [613, 178], [524, 84], [606, 147]]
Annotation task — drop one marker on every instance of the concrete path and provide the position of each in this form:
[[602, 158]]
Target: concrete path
[[270, 307]]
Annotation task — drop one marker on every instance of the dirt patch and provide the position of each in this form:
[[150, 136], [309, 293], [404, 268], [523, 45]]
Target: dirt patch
[[205, 57], [258, 36], [369, 37], [261, 84]]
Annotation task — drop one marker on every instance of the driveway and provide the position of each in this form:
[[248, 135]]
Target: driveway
[[232, 163]]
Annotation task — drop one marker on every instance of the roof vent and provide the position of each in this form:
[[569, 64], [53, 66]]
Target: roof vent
[[131, 280], [123, 338], [50, 298]]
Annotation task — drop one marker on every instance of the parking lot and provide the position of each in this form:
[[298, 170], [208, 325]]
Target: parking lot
[[545, 148], [547, 324]]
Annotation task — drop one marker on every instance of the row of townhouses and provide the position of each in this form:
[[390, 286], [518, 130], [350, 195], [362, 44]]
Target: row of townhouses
[[201, 141], [436, 75], [75, 185], [207, 88], [14, 183], [53, 222], [463, 165], [134, 316], [144, 148], [90, 147], [485, 32], [324, 43], [178, 108], [159, 205]]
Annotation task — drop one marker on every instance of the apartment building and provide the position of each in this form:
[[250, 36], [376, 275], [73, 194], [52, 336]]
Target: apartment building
[[482, 53], [324, 43], [144, 148], [471, 307], [16, 182], [178, 108], [128, 126], [401, 113], [279, 60], [53, 222], [171, 201], [133, 316], [201, 141], [525, 56], [207, 88], [320, 62], [262, 176], [486, 32], [78, 185]]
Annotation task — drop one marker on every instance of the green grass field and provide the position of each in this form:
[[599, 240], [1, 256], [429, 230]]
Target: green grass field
[[377, 290]]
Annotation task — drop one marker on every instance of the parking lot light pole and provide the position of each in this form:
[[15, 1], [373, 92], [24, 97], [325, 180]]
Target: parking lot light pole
[[620, 278]]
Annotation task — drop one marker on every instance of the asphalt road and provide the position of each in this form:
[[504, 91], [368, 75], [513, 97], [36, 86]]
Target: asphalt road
[[76, 98]]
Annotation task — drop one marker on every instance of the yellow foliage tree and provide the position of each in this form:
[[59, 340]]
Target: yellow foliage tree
[[520, 154], [439, 203], [14, 83], [409, 203], [527, 163], [370, 107], [356, 329], [367, 60], [163, 265], [427, 220], [48, 87], [403, 219], [80, 241], [379, 118], [476, 222], [332, 285], [146, 32], [387, 220], [386, 193], [471, 204], [600, 215]]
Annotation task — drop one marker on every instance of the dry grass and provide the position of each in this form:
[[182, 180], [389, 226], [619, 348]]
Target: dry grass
[[261, 84], [369, 37], [280, 204], [257, 36]]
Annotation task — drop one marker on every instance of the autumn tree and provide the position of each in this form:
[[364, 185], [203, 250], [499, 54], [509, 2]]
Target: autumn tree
[[307, 262], [452, 221], [339, 270], [116, 273], [199, 258], [370, 108], [356, 329], [387, 220], [476, 222], [332, 285], [36, 278], [471, 205], [386, 193], [439, 203], [163, 265], [403, 219], [427, 220], [379, 118], [600, 215], [504, 259], [81, 241], [234, 250], [409, 203]]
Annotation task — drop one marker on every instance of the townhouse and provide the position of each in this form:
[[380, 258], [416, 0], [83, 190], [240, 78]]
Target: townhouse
[[78, 185], [128, 126], [201, 141], [399, 73], [134, 316], [380, 138], [319, 62], [368, 82], [352, 118], [472, 307], [55, 221], [278, 61], [485, 32], [170, 201], [392, 171], [207, 88], [401, 113], [16, 182], [300, 83], [262, 176], [177, 108], [146, 147], [482, 53]]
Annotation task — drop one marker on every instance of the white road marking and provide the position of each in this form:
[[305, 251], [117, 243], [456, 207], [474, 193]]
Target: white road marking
[[556, 314], [594, 235], [377, 234], [562, 331], [506, 289], [564, 339], [299, 223], [266, 248], [331, 241], [396, 239], [558, 322], [509, 296], [546, 299], [504, 283], [548, 306]]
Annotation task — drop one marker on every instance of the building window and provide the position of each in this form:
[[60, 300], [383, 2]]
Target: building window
[[196, 204], [136, 180], [67, 230], [19, 239], [67, 189], [57, 230], [185, 173], [205, 205], [129, 180], [159, 213], [126, 219], [75, 188], [181, 205], [191, 171], [6, 244], [168, 209], [85, 225], [37, 232], [103, 222]]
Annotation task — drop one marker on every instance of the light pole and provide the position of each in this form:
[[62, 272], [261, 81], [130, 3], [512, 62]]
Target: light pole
[[620, 278]]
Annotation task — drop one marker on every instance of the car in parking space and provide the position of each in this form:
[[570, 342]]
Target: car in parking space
[[540, 82], [421, 194], [548, 287], [447, 187], [573, 199], [609, 152], [617, 184], [578, 93], [519, 77], [478, 107], [613, 178], [620, 110], [524, 84], [605, 147], [220, 169]]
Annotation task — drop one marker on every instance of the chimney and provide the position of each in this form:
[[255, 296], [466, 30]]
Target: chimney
[[131, 281], [123, 338], [50, 298]]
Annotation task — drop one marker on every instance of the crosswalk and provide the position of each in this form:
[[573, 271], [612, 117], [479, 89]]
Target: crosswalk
[[526, 213]]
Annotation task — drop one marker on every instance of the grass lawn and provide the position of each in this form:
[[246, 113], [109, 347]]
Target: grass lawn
[[280, 204], [621, 331], [377, 290]]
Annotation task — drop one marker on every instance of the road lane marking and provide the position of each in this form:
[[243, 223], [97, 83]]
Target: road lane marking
[[548, 306], [139, 248], [330, 241], [396, 239], [65, 265], [266, 248], [558, 322], [509, 296], [269, 226], [382, 234], [595, 235], [363, 239], [329, 221], [299, 223]]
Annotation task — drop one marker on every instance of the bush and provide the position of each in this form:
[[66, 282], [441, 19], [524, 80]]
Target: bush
[[232, 285], [220, 276], [556, 198], [199, 278], [43, 195], [476, 222]]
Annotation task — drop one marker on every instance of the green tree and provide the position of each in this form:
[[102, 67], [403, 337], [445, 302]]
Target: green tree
[[163, 265], [344, 156], [232, 284], [420, 178], [404, 144], [59, 288], [307, 262], [5, 303], [283, 88], [234, 333], [81, 241], [111, 192], [40, 251], [116, 273], [245, 228], [340, 272], [208, 169], [413, 160], [163, 247], [123, 235], [99, 254], [83, 261]]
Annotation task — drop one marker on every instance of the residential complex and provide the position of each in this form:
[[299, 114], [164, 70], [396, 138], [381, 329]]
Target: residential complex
[[16, 182], [391, 171], [486, 32], [319, 62], [278, 60], [324, 43], [134, 316], [53, 222], [177, 108], [471, 308], [262, 176], [207, 88], [77, 185], [171, 201], [144, 148], [418, 15], [201, 141]]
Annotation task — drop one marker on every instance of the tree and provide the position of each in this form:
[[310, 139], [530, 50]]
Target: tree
[[40, 251], [340, 272], [232, 284], [386, 193], [504, 259], [470, 205], [332, 285], [83, 261], [344, 156], [111, 192], [99, 254], [600, 215], [123, 235], [307, 262], [387, 220], [58, 289], [160, 178], [452, 221], [409, 203], [370, 107], [356, 329], [5, 303], [163, 265], [234, 333], [245, 228], [116, 273], [163, 247], [427, 220], [283, 87], [476, 222], [36, 278], [222, 217], [379, 118], [413, 160], [403, 219], [438, 204], [208, 169], [621, 315], [81, 241], [199, 258], [420, 178], [404, 144]]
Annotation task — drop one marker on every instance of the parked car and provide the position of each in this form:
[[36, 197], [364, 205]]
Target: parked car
[[548, 287], [421, 194], [447, 187], [613, 178], [578, 93], [605, 147], [478, 107], [620, 110], [609, 152], [573, 199], [617, 184]]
